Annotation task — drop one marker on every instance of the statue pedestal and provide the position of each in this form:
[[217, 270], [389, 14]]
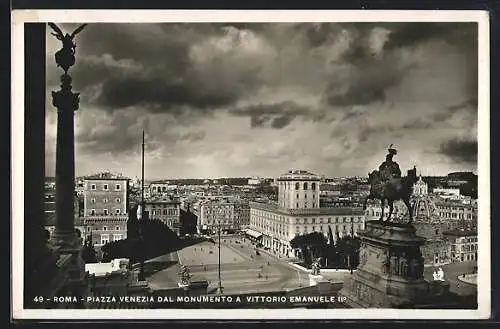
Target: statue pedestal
[[390, 272], [315, 279]]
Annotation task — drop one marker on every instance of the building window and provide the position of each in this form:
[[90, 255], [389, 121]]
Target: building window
[[92, 211], [106, 212], [118, 200], [297, 204], [117, 228], [117, 237], [296, 186], [93, 187], [104, 228], [117, 211], [105, 200], [117, 187], [92, 200], [313, 186], [104, 238], [305, 186], [105, 187]]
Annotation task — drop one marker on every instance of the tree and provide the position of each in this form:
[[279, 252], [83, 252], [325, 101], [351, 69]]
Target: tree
[[312, 245], [299, 242], [89, 254], [347, 248]]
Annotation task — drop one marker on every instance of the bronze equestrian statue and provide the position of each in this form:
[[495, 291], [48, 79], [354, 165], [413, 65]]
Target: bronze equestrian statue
[[388, 185]]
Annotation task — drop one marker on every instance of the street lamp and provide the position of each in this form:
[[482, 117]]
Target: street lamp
[[220, 213]]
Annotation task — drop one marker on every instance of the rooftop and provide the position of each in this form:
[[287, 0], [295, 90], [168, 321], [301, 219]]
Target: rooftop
[[347, 211], [163, 199], [461, 232], [106, 176], [299, 175]]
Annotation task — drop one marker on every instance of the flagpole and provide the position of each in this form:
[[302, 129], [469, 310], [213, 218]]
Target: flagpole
[[142, 177], [141, 268]]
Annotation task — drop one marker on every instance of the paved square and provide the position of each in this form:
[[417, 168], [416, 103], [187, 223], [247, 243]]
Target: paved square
[[207, 253]]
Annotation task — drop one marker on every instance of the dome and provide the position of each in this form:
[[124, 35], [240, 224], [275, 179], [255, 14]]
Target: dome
[[423, 207]]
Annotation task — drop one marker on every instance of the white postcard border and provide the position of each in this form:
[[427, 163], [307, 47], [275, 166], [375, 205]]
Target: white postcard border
[[19, 17]]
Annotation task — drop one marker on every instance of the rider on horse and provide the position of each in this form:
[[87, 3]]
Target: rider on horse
[[389, 169]]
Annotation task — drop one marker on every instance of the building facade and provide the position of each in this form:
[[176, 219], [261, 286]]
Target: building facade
[[158, 188], [105, 208], [241, 214], [463, 245], [166, 210], [298, 189], [420, 187], [456, 210], [216, 214], [298, 212]]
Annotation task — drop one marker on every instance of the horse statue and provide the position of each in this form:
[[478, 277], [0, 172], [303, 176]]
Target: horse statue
[[393, 189]]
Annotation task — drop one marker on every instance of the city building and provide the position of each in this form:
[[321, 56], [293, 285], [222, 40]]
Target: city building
[[298, 212], [241, 214], [165, 209], [161, 187], [456, 210], [215, 214], [420, 187], [254, 181], [463, 245], [105, 208], [447, 193]]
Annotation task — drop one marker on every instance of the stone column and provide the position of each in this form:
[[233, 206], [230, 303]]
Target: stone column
[[66, 103], [65, 242]]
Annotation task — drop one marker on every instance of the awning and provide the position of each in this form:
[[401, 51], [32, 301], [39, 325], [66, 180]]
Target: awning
[[253, 233]]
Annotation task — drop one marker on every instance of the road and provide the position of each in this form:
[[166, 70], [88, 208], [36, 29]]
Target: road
[[242, 271], [451, 273]]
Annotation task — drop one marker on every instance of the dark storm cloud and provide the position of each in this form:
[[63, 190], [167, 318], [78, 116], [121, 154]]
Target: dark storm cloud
[[150, 65], [460, 150], [469, 106], [462, 36], [277, 115], [193, 136], [417, 123], [407, 34], [121, 92], [113, 136], [365, 85], [371, 75], [470, 103], [318, 34], [147, 43]]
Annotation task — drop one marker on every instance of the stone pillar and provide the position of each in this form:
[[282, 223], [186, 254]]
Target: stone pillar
[[66, 103], [39, 262], [65, 242]]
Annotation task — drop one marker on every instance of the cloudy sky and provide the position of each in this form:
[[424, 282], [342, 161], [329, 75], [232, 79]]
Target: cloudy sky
[[220, 100]]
